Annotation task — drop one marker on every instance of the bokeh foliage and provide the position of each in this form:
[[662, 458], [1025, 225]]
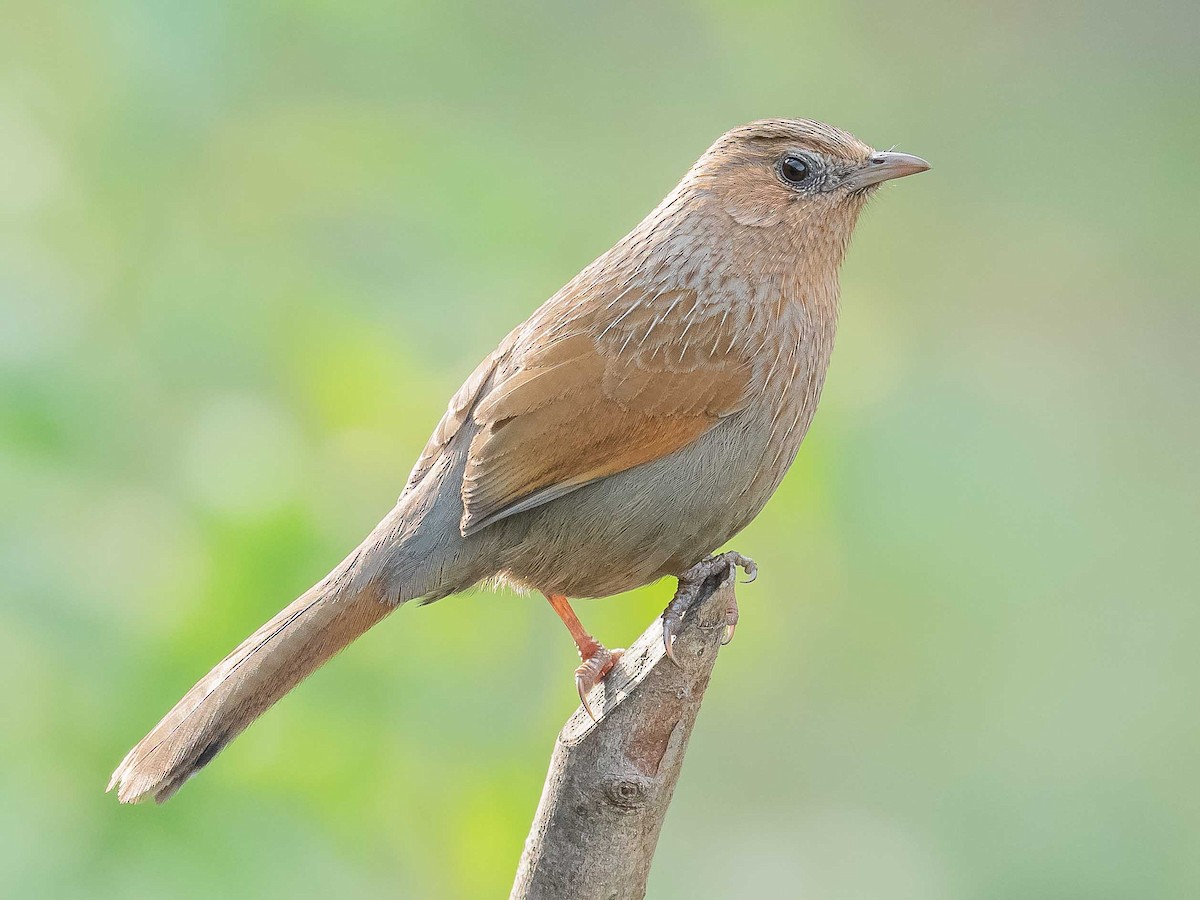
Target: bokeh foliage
[[248, 250]]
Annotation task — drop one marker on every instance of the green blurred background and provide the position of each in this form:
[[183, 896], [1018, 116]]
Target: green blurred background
[[247, 251]]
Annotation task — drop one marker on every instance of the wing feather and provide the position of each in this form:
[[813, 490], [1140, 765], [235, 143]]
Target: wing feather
[[620, 385]]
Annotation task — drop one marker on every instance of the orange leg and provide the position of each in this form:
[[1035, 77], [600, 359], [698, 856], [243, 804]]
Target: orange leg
[[597, 660]]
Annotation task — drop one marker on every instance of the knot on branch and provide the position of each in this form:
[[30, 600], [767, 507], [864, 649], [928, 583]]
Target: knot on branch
[[627, 791]]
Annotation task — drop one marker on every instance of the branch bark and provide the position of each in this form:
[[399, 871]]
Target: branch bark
[[610, 782]]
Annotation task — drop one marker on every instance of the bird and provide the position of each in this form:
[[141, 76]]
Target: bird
[[634, 423]]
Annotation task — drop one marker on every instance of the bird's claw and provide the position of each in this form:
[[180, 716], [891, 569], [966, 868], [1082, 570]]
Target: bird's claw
[[690, 583], [671, 622], [737, 561], [731, 620], [592, 672]]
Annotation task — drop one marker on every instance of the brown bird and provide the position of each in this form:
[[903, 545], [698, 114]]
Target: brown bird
[[635, 422]]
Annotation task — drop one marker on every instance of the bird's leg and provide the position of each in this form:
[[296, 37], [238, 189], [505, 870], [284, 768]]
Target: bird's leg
[[597, 659], [690, 583]]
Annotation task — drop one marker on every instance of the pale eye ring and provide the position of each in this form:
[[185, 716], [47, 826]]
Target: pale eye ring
[[794, 170]]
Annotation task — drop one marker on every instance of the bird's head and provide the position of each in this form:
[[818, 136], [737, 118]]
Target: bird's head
[[797, 176]]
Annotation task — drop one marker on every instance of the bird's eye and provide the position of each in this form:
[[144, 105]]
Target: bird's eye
[[793, 169]]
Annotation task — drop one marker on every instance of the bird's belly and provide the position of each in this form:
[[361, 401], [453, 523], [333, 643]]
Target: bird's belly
[[658, 518]]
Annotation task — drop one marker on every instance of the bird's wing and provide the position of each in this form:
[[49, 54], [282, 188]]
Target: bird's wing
[[595, 391]]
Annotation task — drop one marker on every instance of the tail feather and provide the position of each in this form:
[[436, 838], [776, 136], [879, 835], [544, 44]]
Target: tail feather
[[245, 684]]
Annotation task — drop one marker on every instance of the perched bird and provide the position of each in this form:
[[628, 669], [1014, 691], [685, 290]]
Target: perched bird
[[641, 417]]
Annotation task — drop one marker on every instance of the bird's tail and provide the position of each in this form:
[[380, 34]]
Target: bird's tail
[[249, 680]]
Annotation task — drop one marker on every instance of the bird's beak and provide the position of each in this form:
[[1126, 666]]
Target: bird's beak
[[884, 167]]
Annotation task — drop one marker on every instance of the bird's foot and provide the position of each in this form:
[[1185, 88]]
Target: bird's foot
[[596, 665], [690, 583]]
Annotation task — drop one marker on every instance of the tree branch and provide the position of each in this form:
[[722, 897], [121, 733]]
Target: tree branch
[[610, 783]]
